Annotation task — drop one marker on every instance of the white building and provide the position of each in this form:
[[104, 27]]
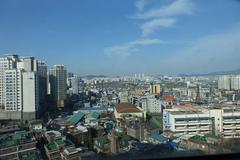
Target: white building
[[6, 63], [30, 94], [123, 97], [224, 82], [74, 84], [224, 121], [151, 104], [13, 90], [235, 82], [19, 88]]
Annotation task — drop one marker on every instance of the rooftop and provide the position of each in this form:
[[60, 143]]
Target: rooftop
[[52, 147], [19, 137], [127, 108], [158, 137], [30, 155], [97, 108], [75, 118]]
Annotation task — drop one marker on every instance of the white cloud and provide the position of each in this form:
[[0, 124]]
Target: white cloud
[[140, 4], [219, 52], [150, 26], [178, 7], [163, 16], [127, 49]]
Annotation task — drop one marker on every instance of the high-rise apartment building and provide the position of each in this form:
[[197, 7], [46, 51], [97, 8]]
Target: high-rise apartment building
[[42, 80], [235, 82], [155, 89], [224, 82], [19, 87], [58, 84], [75, 84], [6, 63]]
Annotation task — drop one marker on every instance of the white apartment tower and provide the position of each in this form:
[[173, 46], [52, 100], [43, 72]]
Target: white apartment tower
[[6, 63], [19, 87], [224, 82], [235, 82]]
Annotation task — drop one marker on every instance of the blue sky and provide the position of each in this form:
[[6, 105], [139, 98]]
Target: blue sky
[[122, 37]]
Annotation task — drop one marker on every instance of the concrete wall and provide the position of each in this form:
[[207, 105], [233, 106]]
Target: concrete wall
[[12, 115]]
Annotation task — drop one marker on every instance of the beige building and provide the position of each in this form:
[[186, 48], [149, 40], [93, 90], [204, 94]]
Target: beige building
[[122, 109], [155, 89]]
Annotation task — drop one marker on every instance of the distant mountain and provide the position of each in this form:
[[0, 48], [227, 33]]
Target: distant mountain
[[95, 76], [237, 71]]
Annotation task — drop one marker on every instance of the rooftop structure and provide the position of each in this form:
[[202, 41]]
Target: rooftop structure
[[75, 118], [127, 108], [13, 145]]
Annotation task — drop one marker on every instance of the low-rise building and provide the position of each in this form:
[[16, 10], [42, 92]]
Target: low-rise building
[[157, 139], [101, 145], [122, 109], [52, 136], [13, 146], [36, 125], [221, 120], [70, 154], [78, 135]]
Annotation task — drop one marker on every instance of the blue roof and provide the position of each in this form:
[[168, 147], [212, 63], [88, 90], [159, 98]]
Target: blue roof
[[76, 117], [158, 137], [95, 115], [94, 108]]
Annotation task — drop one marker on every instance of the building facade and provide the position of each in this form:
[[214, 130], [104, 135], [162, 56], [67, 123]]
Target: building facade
[[18, 87], [58, 84], [221, 121]]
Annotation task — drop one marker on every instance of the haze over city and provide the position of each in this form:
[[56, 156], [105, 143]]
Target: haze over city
[[125, 37]]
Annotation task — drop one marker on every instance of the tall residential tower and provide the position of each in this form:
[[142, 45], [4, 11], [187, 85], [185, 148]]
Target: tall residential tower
[[58, 84]]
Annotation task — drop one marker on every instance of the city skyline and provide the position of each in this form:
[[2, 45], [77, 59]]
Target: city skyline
[[127, 37]]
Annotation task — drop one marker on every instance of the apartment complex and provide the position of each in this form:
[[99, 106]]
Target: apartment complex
[[18, 87], [228, 82], [221, 120]]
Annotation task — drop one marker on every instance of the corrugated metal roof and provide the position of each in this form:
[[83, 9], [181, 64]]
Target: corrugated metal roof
[[95, 115], [158, 137], [76, 118]]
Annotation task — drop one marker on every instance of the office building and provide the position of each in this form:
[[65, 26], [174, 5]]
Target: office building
[[58, 84]]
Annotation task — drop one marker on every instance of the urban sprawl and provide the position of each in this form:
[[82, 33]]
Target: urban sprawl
[[57, 115]]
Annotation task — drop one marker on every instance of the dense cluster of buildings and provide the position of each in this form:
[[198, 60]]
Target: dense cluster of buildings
[[25, 84], [112, 115]]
